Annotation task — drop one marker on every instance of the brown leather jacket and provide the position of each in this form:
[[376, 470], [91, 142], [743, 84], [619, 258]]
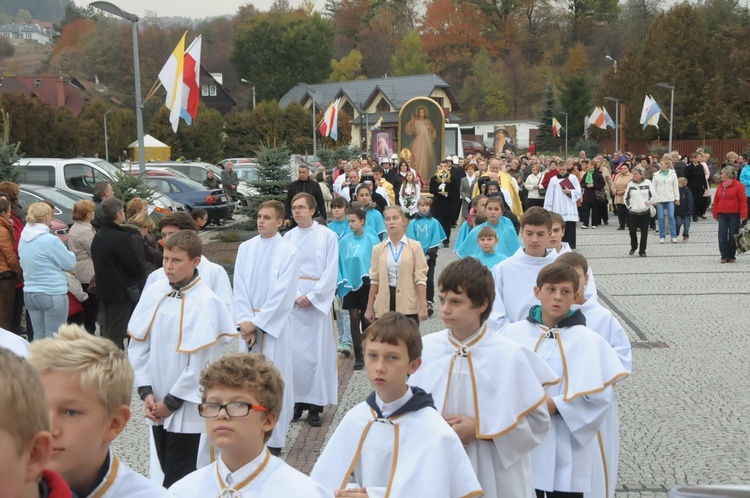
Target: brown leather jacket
[[8, 256]]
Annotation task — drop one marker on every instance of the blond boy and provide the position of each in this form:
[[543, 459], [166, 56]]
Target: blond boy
[[88, 383], [25, 440]]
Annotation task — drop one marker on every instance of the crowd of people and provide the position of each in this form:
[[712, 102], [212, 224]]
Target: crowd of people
[[525, 368]]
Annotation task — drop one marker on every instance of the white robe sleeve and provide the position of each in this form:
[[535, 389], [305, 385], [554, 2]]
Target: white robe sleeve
[[138, 354], [498, 319], [321, 296], [577, 193], [584, 415], [153, 277], [187, 386], [530, 431]]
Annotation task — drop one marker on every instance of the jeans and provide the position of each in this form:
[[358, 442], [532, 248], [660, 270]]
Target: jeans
[[47, 312], [669, 208], [639, 221], [729, 226], [679, 221], [343, 325]]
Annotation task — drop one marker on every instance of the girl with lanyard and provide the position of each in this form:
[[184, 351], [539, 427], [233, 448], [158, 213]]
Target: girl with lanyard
[[398, 272]]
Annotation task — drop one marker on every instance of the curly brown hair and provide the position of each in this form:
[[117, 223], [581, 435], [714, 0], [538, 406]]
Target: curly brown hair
[[247, 372]]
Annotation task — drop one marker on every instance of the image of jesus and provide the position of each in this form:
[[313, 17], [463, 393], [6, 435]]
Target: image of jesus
[[421, 145]]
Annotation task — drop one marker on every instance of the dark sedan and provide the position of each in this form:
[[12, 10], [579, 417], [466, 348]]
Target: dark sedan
[[190, 193], [62, 200]]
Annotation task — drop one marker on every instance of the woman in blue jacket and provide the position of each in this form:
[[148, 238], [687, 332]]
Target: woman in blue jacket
[[44, 260]]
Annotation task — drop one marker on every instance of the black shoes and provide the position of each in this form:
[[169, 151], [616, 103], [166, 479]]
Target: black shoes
[[632, 251], [313, 418], [642, 254], [298, 409], [359, 362]]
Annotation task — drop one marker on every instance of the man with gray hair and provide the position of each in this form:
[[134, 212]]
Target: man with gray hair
[[120, 270], [230, 180], [102, 190]]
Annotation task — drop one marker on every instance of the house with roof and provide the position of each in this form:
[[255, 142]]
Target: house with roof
[[29, 31], [213, 92], [366, 101], [51, 89]]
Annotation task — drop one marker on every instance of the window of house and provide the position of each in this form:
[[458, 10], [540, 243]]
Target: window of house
[[348, 109], [383, 106], [204, 90], [212, 90], [439, 100]]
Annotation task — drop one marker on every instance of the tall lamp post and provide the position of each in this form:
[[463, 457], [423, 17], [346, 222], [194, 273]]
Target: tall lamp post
[[614, 62], [617, 120], [671, 109], [315, 138], [106, 137], [243, 80], [566, 135], [117, 11]]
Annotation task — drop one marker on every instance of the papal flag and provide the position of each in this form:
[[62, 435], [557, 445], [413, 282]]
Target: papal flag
[[171, 78], [556, 128], [650, 112]]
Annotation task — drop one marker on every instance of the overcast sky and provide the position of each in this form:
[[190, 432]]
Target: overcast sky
[[193, 8]]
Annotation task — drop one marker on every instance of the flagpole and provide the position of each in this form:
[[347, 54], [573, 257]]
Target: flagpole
[[617, 121], [566, 135], [315, 138], [671, 109]]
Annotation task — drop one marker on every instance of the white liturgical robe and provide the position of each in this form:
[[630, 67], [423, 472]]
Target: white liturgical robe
[[121, 481], [265, 286], [313, 332], [500, 384], [557, 201]]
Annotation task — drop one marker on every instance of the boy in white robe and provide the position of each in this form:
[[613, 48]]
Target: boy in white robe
[[600, 320], [579, 404], [314, 341], [241, 400], [88, 382], [556, 235], [563, 191], [178, 326], [212, 274], [395, 444], [515, 276], [489, 388], [265, 286]]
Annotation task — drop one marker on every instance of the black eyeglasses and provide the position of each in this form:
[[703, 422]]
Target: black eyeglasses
[[235, 409]]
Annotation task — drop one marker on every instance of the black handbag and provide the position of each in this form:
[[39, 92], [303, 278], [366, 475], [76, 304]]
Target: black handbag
[[601, 196]]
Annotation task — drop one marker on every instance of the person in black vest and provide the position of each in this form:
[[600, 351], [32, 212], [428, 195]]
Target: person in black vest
[[307, 185], [444, 188]]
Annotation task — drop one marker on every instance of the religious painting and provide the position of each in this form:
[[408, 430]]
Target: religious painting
[[421, 130], [505, 139], [382, 144]]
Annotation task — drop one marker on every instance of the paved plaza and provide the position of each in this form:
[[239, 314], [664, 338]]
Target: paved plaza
[[681, 412]]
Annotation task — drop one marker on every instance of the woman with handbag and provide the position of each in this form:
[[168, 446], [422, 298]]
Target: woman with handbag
[[620, 184], [79, 241], [730, 207], [534, 187], [44, 260], [666, 196], [639, 196], [10, 268], [593, 196]]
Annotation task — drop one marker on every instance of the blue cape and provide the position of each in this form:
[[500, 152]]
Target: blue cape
[[427, 231], [341, 228], [375, 221], [355, 254], [463, 232], [508, 239], [489, 260]]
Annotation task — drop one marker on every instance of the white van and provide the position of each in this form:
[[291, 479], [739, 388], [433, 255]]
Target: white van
[[78, 176]]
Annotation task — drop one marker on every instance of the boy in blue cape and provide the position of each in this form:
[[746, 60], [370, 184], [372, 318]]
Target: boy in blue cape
[[429, 233], [508, 242], [487, 240]]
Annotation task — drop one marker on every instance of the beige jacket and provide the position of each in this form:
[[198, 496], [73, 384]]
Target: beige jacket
[[79, 242], [413, 271], [621, 185]]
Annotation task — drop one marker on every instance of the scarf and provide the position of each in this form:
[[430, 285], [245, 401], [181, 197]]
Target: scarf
[[589, 176]]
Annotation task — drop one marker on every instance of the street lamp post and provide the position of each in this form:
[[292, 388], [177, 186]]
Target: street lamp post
[[315, 138], [617, 120], [614, 62], [671, 109], [117, 11], [566, 135], [243, 80], [106, 137]]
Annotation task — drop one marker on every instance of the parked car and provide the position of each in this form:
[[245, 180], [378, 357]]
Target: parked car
[[237, 161], [78, 177], [198, 172], [190, 193], [63, 201], [471, 147]]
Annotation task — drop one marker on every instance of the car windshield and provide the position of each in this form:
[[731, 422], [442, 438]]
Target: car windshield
[[110, 168], [56, 197]]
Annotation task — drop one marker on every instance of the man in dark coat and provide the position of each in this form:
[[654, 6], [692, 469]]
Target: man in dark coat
[[120, 269], [444, 187], [308, 185]]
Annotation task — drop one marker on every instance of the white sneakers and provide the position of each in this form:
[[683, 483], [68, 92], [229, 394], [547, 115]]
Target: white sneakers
[[661, 241]]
